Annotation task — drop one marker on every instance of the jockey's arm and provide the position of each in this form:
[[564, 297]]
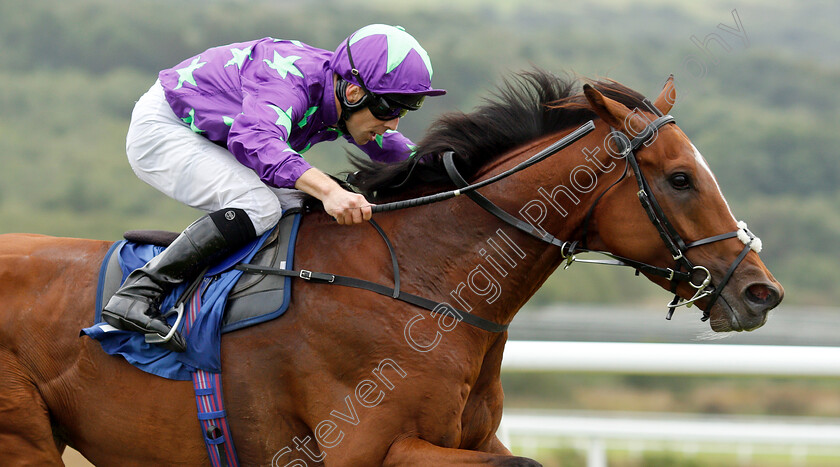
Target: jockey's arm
[[346, 207]]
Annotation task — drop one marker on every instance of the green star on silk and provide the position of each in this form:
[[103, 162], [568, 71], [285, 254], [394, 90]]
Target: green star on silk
[[186, 74], [399, 45], [228, 121], [191, 120], [412, 148], [239, 56], [305, 148], [302, 123], [284, 118], [284, 65], [380, 138], [297, 43]]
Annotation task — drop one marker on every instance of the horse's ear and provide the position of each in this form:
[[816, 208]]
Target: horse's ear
[[667, 97], [609, 110]]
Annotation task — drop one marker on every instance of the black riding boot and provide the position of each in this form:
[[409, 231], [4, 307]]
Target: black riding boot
[[134, 307]]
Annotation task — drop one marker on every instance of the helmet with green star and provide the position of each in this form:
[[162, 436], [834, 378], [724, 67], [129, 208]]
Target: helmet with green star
[[385, 60]]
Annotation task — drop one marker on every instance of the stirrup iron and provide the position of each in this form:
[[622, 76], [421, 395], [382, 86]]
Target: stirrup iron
[[155, 338]]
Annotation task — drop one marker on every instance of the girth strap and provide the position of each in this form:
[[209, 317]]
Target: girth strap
[[212, 418], [393, 292], [421, 302]]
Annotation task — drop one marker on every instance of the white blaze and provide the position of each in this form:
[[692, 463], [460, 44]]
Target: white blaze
[[702, 163]]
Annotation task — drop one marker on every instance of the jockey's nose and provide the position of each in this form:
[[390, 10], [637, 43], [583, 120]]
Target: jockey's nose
[[392, 124]]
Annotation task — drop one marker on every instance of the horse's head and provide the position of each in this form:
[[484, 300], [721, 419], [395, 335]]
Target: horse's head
[[682, 205]]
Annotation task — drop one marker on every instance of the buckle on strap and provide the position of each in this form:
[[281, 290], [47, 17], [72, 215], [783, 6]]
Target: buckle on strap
[[308, 275]]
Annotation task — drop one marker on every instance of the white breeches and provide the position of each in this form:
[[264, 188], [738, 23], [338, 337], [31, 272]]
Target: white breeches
[[186, 166]]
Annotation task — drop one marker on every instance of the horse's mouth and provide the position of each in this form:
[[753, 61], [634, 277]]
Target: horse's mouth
[[726, 318]]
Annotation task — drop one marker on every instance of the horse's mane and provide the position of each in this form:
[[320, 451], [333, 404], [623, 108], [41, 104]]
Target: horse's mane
[[529, 105]]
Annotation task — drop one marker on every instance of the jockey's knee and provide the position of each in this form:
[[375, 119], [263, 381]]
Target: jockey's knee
[[265, 211]]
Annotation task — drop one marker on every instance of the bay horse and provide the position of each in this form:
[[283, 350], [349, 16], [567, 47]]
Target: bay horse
[[348, 377]]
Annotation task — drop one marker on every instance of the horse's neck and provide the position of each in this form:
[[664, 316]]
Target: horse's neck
[[476, 263], [480, 264]]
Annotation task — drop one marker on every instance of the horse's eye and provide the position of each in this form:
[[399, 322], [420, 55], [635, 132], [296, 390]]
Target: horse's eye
[[680, 181]]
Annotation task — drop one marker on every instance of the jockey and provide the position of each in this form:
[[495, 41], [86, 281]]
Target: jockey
[[224, 131]]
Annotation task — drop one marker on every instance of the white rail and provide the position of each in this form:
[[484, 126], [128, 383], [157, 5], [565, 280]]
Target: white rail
[[770, 360], [669, 427], [711, 359]]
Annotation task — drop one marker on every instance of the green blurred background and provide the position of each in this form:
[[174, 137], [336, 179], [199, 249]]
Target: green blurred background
[[762, 110]]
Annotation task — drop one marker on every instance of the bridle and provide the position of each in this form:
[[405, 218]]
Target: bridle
[[677, 247], [683, 270]]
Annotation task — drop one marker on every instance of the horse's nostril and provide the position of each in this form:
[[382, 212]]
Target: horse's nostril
[[762, 294], [758, 293]]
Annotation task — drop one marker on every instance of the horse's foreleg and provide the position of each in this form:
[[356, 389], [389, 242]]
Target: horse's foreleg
[[26, 437], [497, 447], [417, 452]]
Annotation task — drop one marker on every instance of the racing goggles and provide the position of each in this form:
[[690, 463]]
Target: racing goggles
[[390, 106]]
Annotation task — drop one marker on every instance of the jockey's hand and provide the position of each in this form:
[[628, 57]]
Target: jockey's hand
[[345, 207]]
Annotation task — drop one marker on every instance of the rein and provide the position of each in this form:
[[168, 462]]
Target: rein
[[682, 272], [684, 269], [555, 147], [395, 292]]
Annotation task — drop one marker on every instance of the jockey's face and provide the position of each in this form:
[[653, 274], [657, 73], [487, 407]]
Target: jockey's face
[[362, 125]]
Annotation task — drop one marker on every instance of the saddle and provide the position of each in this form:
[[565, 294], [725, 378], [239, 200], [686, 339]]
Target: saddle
[[254, 298], [227, 298]]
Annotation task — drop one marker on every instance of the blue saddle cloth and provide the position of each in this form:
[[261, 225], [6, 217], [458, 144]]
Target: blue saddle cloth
[[202, 331]]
